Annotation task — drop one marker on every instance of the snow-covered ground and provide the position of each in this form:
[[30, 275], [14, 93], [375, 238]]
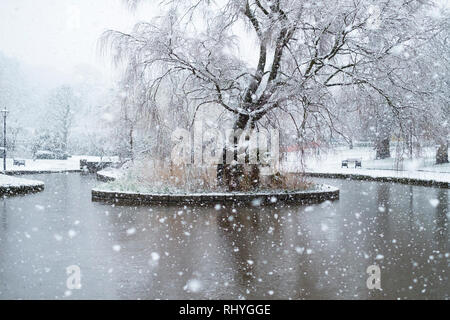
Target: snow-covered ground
[[71, 164], [416, 175], [44, 165], [422, 168], [14, 182]]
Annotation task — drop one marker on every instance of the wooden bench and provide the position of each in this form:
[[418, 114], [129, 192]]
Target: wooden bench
[[19, 162], [357, 162]]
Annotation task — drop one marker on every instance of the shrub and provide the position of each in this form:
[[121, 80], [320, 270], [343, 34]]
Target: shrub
[[160, 176]]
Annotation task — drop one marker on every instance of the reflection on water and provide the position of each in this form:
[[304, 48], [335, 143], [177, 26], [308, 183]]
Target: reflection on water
[[281, 252]]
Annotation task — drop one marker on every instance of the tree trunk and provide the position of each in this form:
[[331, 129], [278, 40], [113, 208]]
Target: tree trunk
[[383, 148], [383, 130], [131, 144], [65, 141], [66, 127], [409, 142], [234, 176], [442, 153]]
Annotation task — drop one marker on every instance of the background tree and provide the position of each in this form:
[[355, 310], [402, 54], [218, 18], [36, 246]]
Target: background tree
[[62, 103], [427, 90], [440, 74], [44, 140]]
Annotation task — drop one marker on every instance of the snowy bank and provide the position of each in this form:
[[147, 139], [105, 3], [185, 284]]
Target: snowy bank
[[43, 166], [424, 178], [332, 159], [420, 171], [318, 193], [72, 164], [12, 185]]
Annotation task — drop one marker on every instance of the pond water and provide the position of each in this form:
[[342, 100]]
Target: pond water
[[279, 252]]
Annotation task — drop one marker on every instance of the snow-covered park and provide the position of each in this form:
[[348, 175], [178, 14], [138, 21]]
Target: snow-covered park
[[71, 164], [420, 168], [224, 150]]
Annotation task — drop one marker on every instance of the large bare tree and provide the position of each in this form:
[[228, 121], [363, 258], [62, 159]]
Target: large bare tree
[[306, 50]]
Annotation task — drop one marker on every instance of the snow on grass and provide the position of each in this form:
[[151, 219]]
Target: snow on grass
[[436, 168], [332, 159], [420, 169], [416, 175], [70, 164]]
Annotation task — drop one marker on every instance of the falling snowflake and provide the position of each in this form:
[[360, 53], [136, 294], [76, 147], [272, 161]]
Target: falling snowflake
[[193, 285], [256, 202], [72, 233], [434, 202], [155, 256], [299, 250], [131, 231]]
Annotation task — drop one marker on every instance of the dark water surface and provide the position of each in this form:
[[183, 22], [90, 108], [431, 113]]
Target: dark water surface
[[298, 252]]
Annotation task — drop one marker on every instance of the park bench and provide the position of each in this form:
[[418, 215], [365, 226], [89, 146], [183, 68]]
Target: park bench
[[19, 162], [357, 162]]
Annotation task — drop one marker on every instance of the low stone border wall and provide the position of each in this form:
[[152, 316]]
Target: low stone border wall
[[411, 181], [24, 172], [18, 190], [301, 197]]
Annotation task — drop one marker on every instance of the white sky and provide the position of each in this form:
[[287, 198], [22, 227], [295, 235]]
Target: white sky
[[59, 35]]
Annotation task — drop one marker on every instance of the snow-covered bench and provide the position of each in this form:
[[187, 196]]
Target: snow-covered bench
[[19, 162], [357, 162]]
